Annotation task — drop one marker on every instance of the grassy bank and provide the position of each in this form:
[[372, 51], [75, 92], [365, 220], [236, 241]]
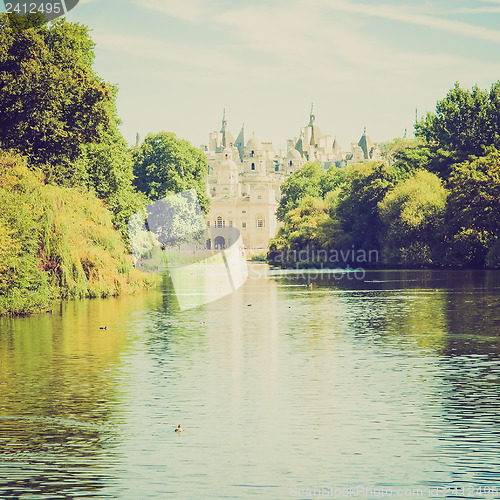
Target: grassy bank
[[57, 242]]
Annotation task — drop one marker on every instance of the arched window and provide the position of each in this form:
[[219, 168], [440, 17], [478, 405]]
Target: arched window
[[253, 166], [252, 154], [260, 222], [220, 222], [291, 163]]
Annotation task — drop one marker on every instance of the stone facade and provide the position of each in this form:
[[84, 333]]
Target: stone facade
[[244, 178]]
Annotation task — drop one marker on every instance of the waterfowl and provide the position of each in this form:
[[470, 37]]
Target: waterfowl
[[249, 305], [179, 429], [103, 328]]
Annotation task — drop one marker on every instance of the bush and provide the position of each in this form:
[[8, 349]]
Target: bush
[[56, 242]]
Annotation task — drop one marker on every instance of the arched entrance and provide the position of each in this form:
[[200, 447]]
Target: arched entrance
[[219, 243]]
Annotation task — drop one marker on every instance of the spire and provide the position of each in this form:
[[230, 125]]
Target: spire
[[224, 122], [240, 142], [311, 115], [366, 144]]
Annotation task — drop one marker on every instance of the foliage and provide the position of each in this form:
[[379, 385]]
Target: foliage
[[110, 176], [56, 242], [473, 217], [302, 228], [465, 121], [357, 209], [391, 148], [51, 101], [305, 182], [413, 215], [164, 165], [331, 180]]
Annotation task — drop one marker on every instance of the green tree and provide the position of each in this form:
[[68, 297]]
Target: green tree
[[331, 180], [407, 162], [109, 174], [51, 101], [305, 182], [465, 121], [357, 208], [413, 216], [473, 215], [164, 165]]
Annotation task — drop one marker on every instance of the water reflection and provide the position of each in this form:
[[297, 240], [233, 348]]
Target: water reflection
[[388, 381], [57, 393]]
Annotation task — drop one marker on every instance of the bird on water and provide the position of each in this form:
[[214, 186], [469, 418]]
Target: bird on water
[[179, 429]]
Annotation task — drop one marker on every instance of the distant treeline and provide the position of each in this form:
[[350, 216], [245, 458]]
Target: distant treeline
[[68, 181], [433, 201]]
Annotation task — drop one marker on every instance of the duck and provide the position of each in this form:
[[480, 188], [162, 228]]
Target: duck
[[179, 429], [103, 328]]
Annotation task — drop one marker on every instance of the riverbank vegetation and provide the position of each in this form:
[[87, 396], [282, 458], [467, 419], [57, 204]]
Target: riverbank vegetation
[[57, 242], [433, 201], [69, 183]]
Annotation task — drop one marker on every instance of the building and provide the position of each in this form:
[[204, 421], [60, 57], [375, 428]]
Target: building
[[244, 178]]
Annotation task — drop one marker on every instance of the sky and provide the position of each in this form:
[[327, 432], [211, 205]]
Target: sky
[[179, 63]]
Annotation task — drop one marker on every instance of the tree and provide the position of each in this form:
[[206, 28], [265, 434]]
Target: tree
[[331, 180], [51, 101], [465, 121], [357, 208], [108, 168], [305, 182], [407, 162], [164, 165], [413, 215], [473, 215]]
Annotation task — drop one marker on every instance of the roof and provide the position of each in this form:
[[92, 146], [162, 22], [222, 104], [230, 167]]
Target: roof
[[366, 144], [254, 144]]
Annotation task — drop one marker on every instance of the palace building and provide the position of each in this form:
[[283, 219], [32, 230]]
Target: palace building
[[244, 178]]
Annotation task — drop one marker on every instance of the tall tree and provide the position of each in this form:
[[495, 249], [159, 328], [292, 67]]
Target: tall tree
[[165, 164], [413, 216], [473, 218], [465, 121], [305, 182], [51, 100], [357, 208]]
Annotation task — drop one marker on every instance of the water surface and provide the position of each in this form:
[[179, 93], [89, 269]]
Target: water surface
[[387, 383]]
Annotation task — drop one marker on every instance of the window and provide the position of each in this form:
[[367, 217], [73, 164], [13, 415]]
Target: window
[[230, 223], [259, 197], [260, 221], [208, 223], [220, 222], [291, 163], [243, 211], [243, 224], [276, 168], [253, 166], [252, 154]]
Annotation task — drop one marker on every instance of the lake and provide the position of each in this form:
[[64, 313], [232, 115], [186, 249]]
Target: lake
[[376, 385]]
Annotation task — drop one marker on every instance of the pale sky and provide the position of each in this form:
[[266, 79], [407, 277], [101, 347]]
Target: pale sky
[[178, 63]]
